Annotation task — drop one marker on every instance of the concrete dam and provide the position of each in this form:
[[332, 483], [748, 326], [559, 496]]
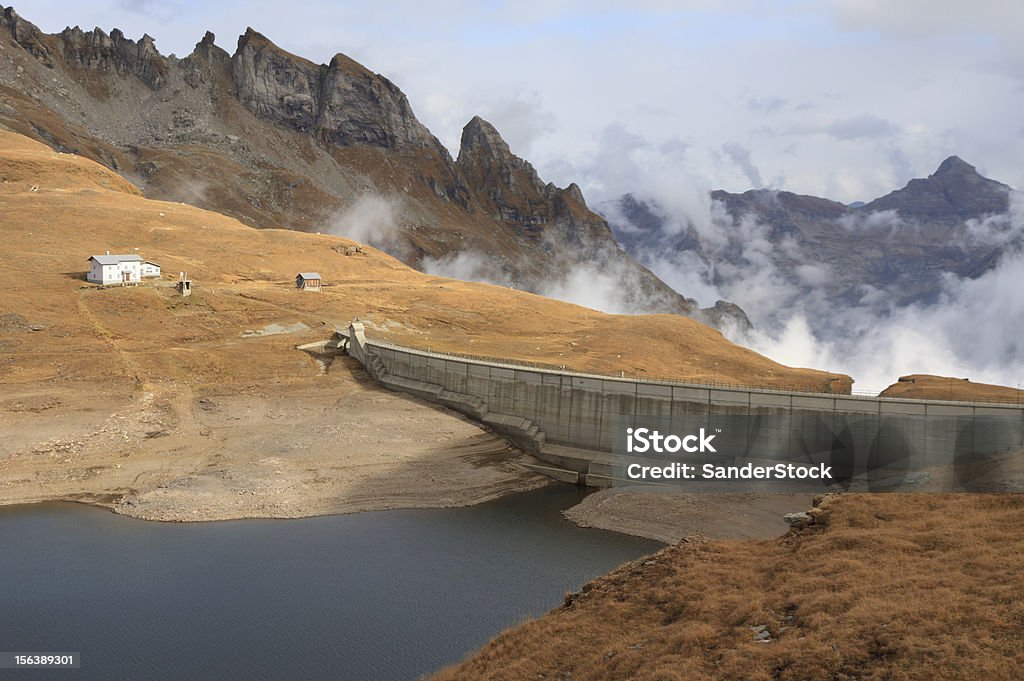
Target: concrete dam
[[577, 423]]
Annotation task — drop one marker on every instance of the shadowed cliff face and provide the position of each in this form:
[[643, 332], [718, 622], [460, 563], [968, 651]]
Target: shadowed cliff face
[[343, 102], [276, 140], [97, 51]]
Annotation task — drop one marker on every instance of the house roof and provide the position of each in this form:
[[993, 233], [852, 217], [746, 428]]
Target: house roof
[[115, 259], [150, 262], [309, 275]]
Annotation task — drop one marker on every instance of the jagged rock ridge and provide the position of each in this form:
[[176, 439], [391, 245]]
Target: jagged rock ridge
[[342, 102], [277, 140]]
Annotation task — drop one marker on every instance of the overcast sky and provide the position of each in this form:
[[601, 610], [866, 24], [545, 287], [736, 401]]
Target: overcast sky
[[840, 98]]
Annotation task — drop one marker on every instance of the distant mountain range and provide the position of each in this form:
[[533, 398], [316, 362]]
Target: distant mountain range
[[276, 140], [891, 252]]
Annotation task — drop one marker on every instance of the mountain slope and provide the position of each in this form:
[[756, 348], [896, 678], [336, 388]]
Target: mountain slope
[[58, 209], [273, 139]]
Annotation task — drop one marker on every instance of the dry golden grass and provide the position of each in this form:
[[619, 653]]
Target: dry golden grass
[[244, 280], [924, 386], [884, 587]]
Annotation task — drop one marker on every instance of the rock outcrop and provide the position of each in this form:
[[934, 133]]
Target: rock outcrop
[[95, 50], [343, 102], [26, 34], [486, 159], [512, 191], [198, 67]]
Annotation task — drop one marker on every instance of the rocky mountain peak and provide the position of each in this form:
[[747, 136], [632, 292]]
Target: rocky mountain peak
[[344, 103], [954, 192], [26, 34], [574, 192], [199, 66], [954, 165], [207, 48], [255, 40], [486, 160], [481, 140]]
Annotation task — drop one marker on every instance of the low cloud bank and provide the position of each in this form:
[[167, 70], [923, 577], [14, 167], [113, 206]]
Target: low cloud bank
[[974, 329], [608, 284]]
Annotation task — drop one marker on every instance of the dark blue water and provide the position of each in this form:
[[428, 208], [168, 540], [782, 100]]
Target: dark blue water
[[389, 595]]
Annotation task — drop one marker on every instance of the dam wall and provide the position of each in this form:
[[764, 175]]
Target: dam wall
[[577, 421]]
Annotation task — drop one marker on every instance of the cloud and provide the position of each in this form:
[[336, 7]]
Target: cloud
[[999, 230], [372, 220], [875, 221], [608, 289], [931, 17], [740, 155], [861, 127], [997, 22], [812, 275], [975, 327], [974, 331], [468, 265], [766, 104], [606, 282], [627, 162], [155, 8]]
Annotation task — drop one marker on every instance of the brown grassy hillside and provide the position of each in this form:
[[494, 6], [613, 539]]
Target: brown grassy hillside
[[57, 209], [925, 386], [894, 587]]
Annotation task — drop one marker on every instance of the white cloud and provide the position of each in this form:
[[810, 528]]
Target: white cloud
[[975, 329], [740, 155], [468, 266], [372, 220]]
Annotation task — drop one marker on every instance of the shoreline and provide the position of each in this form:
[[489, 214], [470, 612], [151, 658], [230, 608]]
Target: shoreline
[[344, 508], [331, 444], [669, 516]]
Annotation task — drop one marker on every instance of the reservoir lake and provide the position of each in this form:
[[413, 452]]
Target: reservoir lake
[[389, 595]]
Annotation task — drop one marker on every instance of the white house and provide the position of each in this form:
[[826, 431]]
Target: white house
[[150, 269], [308, 281], [115, 269]]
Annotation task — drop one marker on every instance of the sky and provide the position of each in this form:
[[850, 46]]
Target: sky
[[847, 99]]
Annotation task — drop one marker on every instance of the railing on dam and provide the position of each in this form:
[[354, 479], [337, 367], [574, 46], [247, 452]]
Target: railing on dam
[[658, 380]]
